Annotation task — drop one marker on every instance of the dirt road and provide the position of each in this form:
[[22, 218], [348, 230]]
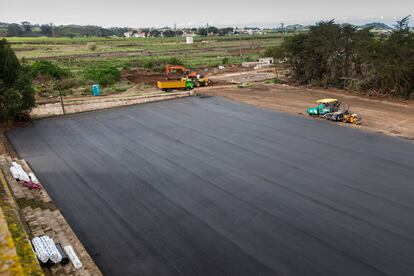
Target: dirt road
[[389, 117]]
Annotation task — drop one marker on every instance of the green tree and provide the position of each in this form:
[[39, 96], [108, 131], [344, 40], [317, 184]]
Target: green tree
[[14, 30], [16, 92], [168, 33], [27, 27], [46, 30], [333, 55], [212, 29], [155, 33], [202, 31]]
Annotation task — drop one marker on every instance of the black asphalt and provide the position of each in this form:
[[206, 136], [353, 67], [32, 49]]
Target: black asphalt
[[211, 187]]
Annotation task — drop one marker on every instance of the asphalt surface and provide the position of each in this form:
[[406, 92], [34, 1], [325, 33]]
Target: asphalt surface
[[211, 187]]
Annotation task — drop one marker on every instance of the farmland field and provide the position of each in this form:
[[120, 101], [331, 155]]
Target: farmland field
[[139, 61], [74, 54]]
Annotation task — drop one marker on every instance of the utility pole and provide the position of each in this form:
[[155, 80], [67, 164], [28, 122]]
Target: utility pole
[[240, 47], [61, 103], [53, 33], [207, 28]]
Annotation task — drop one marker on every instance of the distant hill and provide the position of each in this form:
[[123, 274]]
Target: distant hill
[[377, 25], [296, 27]]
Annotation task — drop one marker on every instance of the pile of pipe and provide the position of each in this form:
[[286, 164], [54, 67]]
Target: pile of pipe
[[46, 250], [28, 180]]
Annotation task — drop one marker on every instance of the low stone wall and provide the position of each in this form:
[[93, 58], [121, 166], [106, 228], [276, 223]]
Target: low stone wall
[[41, 217], [98, 103]]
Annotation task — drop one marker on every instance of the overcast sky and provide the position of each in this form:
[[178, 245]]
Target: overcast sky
[[134, 13]]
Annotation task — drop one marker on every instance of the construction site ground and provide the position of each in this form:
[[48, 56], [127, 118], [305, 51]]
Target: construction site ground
[[209, 186], [389, 116]]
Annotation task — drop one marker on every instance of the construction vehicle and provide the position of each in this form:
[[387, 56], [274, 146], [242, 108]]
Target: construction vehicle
[[325, 106], [170, 85], [177, 72], [352, 118], [331, 109]]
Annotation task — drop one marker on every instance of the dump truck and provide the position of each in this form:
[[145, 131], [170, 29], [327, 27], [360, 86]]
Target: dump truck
[[170, 85], [177, 72]]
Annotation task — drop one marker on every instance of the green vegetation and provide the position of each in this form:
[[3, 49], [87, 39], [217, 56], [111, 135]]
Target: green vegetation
[[16, 92], [47, 68], [68, 66], [27, 259], [92, 46], [104, 75], [333, 55]]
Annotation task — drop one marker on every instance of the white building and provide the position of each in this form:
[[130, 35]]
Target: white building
[[134, 34]]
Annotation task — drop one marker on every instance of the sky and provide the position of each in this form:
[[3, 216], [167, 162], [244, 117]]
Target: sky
[[159, 13]]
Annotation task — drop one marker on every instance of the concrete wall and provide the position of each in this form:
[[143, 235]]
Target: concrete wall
[[91, 104]]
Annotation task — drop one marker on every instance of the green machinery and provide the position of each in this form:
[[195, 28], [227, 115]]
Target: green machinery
[[331, 109], [325, 106]]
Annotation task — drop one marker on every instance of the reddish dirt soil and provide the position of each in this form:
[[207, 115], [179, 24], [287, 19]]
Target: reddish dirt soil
[[141, 76]]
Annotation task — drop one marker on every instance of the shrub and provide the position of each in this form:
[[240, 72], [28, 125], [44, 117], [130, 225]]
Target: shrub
[[16, 91], [275, 81], [158, 64], [92, 46], [66, 84], [104, 75], [225, 60], [47, 68]]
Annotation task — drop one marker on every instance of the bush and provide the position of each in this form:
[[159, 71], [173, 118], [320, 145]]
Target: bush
[[92, 46], [275, 81], [47, 68], [225, 61], [104, 75], [16, 91], [158, 64], [66, 84]]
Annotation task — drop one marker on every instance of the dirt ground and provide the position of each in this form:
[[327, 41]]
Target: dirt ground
[[391, 117], [144, 77]]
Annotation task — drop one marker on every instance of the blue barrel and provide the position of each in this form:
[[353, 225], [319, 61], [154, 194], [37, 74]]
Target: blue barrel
[[96, 90]]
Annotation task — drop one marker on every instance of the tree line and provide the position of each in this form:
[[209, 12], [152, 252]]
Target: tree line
[[345, 57], [166, 32], [26, 29]]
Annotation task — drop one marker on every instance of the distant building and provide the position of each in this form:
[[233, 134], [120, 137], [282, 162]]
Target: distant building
[[262, 63], [189, 39], [134, 34]]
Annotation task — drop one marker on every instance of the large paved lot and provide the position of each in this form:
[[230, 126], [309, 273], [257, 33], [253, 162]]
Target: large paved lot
[[211, 187]]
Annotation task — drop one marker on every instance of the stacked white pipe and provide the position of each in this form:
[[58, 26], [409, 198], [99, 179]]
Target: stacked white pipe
[[18, 172], [46, 249]]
